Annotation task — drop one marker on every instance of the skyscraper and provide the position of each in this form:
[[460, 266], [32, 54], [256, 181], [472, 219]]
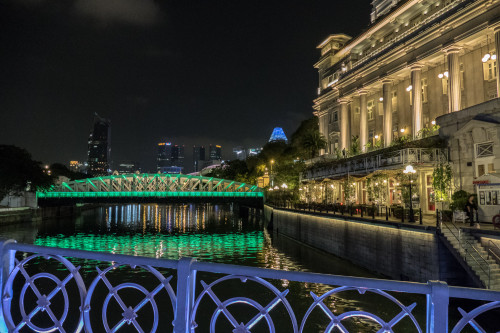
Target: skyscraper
[[178, 156], [215, 153], [198, 157], [164, 157], [99, 147]]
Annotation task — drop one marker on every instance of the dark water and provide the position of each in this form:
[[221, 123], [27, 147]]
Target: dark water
[[211, 233]]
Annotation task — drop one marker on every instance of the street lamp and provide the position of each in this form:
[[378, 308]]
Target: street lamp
[[410, 171], [271, 173]]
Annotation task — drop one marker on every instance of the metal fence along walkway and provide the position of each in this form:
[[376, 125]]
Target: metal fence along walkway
[[68, 298]]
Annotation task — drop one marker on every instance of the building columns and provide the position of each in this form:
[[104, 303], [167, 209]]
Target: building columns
[[416, 92], [497, 52], [363, 120], [344, 138], [454, 96], [386, 94]]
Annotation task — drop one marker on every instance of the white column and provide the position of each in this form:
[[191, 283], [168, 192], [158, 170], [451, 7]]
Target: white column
[[416, 92], [343, 125], [497, 52], [363, 120], [454, 96], [386, 94]]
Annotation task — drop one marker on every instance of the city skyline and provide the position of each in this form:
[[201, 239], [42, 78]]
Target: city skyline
[[153, 68]]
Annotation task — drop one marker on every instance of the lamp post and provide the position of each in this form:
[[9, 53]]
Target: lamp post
[[410, 171], [271, 174]]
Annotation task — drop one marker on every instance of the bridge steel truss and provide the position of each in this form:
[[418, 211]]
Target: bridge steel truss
[[151, 186]]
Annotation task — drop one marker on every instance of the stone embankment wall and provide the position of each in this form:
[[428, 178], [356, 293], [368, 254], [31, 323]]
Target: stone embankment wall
[[403, 253]]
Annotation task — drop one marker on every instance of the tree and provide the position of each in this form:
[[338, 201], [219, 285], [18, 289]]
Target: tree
[[441, 181], [313, 141], [18, 172]]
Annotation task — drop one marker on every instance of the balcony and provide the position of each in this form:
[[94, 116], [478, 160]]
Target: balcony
[[328, 166]]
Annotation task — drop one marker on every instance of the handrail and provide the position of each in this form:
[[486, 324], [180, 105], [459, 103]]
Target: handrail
[[495, 246], [467, 253]]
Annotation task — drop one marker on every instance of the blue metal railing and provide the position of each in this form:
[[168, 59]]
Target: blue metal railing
[[187, 294]]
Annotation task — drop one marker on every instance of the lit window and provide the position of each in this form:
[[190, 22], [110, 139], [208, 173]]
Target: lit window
[[491, 168], [490, 70], [394, 100], [370, 106], [424, 90]]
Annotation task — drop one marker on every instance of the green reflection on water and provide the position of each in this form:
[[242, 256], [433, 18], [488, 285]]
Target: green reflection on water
[[215, 247]]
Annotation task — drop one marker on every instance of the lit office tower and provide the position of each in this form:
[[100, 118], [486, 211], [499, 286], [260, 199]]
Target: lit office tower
[[178, 156], [164, 157], [198, 157], [99, 148], [215, 153]]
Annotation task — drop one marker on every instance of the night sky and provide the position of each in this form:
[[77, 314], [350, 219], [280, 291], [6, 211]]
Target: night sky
[[191, 72]]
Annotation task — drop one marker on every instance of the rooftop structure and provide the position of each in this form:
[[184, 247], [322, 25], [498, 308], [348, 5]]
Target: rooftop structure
[[278, 135]]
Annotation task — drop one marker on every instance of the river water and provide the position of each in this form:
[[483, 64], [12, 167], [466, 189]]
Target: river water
[[213, 233]]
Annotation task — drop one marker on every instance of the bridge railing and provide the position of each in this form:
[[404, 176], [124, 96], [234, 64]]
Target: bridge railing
[[52, 289]]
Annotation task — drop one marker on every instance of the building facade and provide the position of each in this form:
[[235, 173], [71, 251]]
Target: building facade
[[99, 147], [198, 157], [215, 153], [414, 80]]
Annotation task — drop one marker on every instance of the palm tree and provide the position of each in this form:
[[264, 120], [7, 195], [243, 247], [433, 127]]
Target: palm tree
[[313, 141]]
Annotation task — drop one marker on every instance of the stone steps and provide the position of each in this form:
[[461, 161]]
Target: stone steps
[[476, 257]]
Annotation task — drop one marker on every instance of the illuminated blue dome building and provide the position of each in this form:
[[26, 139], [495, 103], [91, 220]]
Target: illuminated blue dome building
[[278, 135]]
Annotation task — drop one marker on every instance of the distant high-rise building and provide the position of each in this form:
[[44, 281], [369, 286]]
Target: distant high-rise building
[[126, 167], [240, 153], [215, 153], [178, 156], [164, 156], [170, 158], [278, 135], [75, 166], [198, 157], [254, 151], [99, 147]]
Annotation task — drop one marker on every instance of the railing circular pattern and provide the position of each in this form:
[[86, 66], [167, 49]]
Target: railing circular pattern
[[43, 301], [336, 321], [129, 313], [222, 306]]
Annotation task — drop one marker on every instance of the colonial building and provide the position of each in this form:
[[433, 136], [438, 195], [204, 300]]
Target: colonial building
[[421, 65]]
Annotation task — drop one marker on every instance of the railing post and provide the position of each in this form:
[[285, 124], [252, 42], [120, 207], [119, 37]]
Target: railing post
[[373, 211], [437, 307], [386, 214], [402, 215], [186, 284], [437, 218], [8, 258], [420, 215]]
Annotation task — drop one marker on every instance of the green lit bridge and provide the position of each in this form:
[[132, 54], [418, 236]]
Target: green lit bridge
[[151, 188]]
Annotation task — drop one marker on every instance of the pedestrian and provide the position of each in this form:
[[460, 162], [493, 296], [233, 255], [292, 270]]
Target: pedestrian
[[469, 208]]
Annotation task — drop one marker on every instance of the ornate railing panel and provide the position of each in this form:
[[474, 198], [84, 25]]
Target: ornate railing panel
[[366, 163], [91, 297]]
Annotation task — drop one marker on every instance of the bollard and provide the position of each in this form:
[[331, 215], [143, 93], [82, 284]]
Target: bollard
[[403, 215], [351, 210], [361, 211], [373, 211], [386, 214], [437, 218], [420, 212]]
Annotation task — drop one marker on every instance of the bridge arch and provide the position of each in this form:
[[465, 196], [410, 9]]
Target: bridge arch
[[151, 186]]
